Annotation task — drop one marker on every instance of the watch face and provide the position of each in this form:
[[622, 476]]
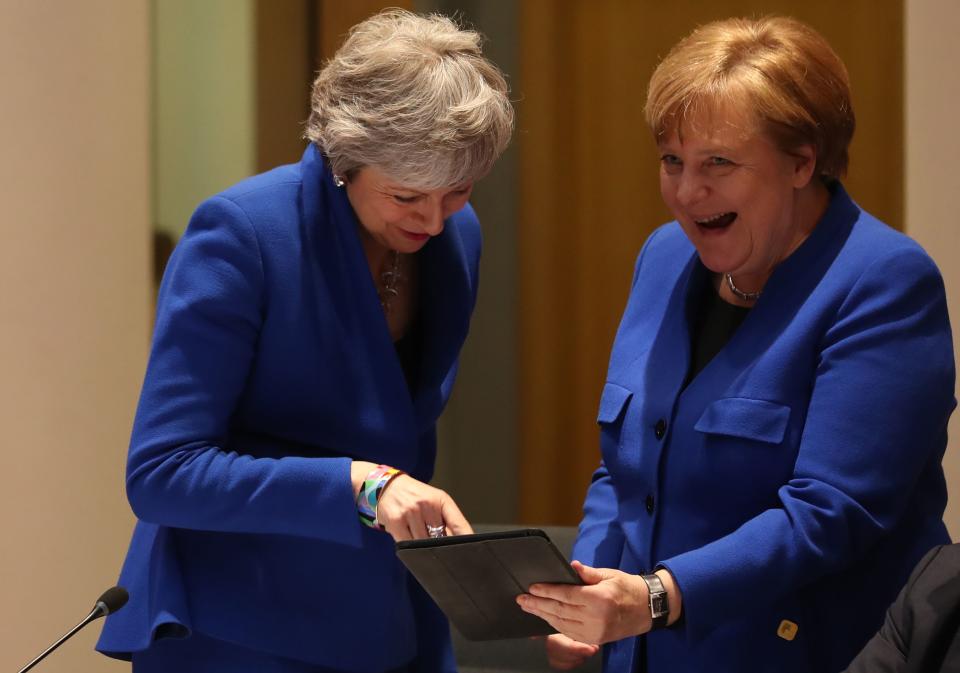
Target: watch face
[[658, 604]]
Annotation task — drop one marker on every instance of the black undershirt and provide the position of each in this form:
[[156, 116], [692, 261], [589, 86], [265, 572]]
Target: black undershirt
[[408, 349], [713, 321]]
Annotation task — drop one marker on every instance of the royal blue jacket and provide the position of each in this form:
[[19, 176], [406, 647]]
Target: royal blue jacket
[[797, 477], [271, 368]]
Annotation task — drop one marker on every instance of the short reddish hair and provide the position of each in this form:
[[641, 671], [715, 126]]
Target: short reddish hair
[[777, 69]]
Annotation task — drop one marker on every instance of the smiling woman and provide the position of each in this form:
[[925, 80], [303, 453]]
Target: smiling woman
[[397, 216], [745, 204], [399, 220], [308, 329], [777, 398], [774, 114]]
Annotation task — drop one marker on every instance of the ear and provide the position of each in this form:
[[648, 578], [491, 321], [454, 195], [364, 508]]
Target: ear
[[804, 164]]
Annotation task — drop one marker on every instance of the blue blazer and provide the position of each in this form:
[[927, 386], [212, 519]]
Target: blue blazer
[[797, 477], [271, 368]]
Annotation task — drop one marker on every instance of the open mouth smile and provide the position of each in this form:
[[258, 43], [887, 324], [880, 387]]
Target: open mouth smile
[[718, 221]]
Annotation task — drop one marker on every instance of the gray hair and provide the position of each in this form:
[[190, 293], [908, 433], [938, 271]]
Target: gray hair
[[414, 97]]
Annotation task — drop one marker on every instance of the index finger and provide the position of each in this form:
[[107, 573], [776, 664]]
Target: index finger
[[454, 519]]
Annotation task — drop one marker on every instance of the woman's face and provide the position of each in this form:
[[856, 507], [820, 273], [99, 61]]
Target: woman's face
[[398, 217], [735, 194]]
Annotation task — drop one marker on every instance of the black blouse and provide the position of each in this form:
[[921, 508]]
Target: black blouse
[[713, 321]]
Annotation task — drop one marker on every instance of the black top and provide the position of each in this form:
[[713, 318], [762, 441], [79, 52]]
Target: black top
[[408, 352], [713, 322]]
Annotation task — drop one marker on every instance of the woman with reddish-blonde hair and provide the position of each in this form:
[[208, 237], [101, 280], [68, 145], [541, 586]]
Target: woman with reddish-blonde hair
[[776, 405]]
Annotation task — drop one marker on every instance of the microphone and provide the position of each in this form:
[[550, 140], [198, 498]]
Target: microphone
[[109, 602]]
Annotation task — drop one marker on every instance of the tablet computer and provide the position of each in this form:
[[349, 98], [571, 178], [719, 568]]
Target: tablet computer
[[475, 579]]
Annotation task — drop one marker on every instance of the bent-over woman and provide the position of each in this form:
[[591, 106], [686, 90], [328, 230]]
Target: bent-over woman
[[307, 335]]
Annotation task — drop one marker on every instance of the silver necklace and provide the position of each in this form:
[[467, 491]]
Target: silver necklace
[[390, 282], [745, 296]]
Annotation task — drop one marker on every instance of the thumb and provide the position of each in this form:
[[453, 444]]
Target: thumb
[[590, 575]]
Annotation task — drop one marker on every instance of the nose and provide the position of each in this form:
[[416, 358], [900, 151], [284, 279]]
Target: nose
[[433, 217], [691, 188]]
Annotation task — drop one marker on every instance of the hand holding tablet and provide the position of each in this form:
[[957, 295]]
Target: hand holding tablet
[[475, 579]]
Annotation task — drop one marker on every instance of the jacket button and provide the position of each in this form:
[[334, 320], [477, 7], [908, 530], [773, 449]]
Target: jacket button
[[650, 503], [660, 429]]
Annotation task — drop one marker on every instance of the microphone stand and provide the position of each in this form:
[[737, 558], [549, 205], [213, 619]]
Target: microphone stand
[[96, 613]]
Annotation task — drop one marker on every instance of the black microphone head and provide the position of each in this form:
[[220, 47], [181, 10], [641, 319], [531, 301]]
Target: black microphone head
[[112, 600]]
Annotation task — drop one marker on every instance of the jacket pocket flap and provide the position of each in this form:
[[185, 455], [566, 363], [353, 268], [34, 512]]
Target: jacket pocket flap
[[747, 418], [612, 402]]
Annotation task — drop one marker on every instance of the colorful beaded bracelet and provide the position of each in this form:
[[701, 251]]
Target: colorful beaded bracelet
[[369, 496]]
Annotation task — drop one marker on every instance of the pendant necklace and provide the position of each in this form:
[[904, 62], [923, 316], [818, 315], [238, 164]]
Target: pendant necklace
[[390, 282]]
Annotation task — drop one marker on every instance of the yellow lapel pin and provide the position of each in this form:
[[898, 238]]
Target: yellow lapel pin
[[787, 630]]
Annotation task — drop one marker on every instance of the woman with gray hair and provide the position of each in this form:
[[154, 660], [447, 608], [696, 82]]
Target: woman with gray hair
[[308, 329]]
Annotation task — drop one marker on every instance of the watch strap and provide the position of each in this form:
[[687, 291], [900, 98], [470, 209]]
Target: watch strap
[[659, 605]]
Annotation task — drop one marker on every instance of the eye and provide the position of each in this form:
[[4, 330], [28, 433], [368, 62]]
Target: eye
[[671, 163], [455, 198], [405, 199], [719, 161]]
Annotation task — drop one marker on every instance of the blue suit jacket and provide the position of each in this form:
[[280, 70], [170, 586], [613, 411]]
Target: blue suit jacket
[[271, 368], [797, 476]]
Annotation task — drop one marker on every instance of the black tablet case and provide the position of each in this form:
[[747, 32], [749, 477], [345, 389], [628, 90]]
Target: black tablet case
[[475, 579]]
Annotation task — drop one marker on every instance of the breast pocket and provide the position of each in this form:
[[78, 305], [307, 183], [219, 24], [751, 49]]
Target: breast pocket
[[745, 418], [742, 450], [613, 405]]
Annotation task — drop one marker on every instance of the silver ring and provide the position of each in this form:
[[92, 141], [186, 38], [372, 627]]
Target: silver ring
[[436, 531]]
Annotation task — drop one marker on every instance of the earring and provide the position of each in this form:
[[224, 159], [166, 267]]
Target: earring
[[338, 181]]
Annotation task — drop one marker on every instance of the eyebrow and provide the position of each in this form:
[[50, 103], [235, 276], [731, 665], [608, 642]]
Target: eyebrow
[[707, 151], [399, 188]]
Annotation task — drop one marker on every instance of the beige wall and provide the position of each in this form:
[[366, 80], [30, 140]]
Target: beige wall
[[74, 298], [932, 182]]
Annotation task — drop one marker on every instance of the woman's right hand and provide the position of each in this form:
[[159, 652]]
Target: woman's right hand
[[408, 506], [564, 653]]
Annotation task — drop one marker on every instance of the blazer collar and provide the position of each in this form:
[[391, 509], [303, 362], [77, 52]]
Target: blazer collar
[[791, 282], [446, 298]]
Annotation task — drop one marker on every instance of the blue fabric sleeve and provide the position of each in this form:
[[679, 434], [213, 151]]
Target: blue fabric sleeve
[[179, 472], [599, 539]]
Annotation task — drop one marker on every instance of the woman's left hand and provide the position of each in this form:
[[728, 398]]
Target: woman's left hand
[[612, 605]]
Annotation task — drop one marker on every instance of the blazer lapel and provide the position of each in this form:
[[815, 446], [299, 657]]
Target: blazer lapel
[[670, 353], [445, 301], [790, 284], [445, 306], [331, 232]]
